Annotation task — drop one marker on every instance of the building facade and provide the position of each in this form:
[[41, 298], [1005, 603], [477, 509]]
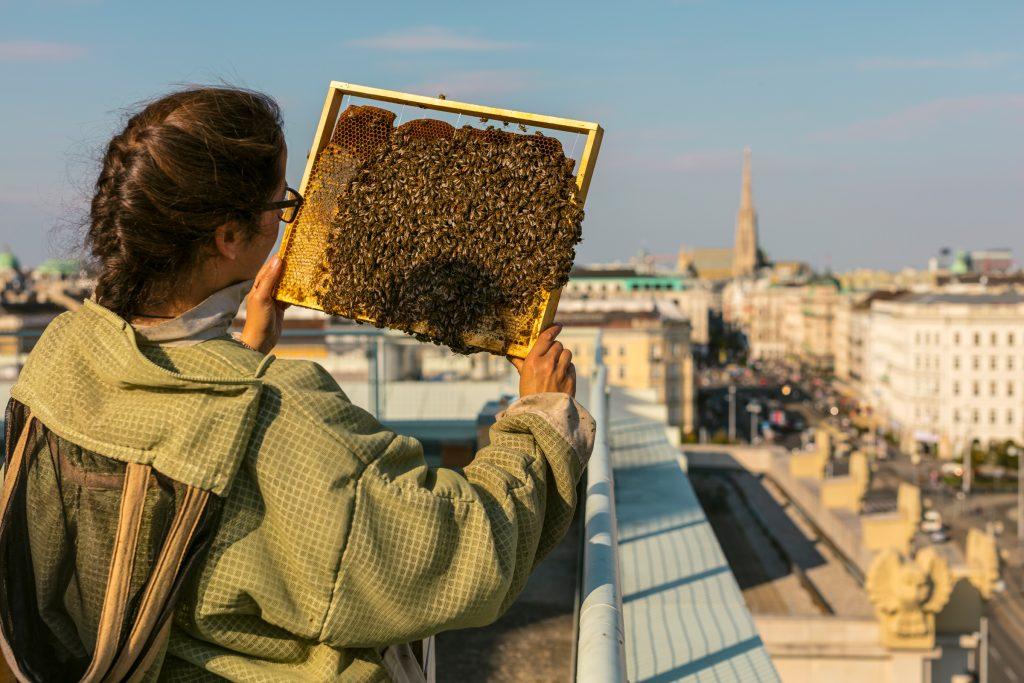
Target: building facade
[[785, 321], [947, 370], [645, 344]]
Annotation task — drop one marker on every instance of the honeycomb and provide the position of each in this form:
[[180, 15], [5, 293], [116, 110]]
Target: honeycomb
[[458, 236]]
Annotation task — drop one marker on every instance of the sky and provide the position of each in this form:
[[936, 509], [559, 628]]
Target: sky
[[880, 131]]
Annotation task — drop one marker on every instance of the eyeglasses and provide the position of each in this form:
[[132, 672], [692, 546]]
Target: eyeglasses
[[289, 206]]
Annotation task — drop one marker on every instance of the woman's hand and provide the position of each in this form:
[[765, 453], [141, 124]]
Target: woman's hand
[[548, 367], [264, 316]]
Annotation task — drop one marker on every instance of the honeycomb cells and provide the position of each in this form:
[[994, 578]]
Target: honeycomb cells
[[454, 235]]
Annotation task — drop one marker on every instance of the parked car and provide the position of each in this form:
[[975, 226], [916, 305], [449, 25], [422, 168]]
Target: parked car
[[932, 521], [953, 468]]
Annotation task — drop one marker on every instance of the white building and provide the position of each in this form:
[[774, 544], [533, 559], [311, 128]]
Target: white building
[[698, 301], [947, 369]]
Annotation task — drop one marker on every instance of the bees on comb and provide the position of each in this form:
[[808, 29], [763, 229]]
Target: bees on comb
[[443, 232]]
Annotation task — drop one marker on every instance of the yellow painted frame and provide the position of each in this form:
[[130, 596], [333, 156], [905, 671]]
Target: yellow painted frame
[[329, 116]]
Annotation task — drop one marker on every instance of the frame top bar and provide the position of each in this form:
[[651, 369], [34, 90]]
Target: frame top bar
[[454, 107]]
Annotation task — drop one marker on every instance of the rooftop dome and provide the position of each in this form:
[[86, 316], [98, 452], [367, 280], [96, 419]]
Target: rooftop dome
[[8, 261], [961, 263], [62, 267]]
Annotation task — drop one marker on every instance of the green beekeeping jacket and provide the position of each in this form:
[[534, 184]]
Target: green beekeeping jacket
[[335, 539]]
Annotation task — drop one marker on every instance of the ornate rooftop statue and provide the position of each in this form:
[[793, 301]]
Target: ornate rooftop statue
[[907, 594]]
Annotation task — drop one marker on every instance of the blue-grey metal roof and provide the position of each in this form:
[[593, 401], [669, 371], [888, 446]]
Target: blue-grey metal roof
[[684, 614]]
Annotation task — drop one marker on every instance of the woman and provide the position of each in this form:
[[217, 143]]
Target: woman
[[334, 540]]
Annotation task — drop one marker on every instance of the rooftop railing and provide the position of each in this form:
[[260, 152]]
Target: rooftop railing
[[600, 654]]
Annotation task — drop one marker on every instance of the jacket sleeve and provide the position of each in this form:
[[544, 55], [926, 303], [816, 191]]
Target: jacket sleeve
[[430, 550]]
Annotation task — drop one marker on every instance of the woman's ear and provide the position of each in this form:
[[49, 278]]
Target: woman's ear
[[228, 239]]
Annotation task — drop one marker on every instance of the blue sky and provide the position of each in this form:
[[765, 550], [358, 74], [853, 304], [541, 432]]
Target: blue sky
[[880, 131]]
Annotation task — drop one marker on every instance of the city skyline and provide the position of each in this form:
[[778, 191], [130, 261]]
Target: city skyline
[[881, 134]]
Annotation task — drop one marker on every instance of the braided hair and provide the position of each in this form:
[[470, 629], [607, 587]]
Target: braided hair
[[183, 165]]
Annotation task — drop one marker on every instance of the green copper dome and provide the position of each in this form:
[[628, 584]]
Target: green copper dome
[[961, 263], [8, 261], [62, 267]]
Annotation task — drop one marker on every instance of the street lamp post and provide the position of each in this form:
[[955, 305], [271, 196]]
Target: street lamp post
[[732, 414], [1014, 452], [754, 409], [968, 476]]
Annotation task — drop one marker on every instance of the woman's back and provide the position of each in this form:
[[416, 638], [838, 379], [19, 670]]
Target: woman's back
[[335, 540]]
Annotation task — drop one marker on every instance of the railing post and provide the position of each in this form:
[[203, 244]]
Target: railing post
[[600, 654]]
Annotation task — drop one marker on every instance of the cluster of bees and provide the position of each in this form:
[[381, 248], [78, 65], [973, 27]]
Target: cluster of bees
[[447, 233]]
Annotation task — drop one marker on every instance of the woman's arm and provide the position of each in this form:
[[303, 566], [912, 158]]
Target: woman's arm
[[430, 550]]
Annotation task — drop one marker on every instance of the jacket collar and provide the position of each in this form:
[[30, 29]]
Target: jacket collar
[[209, 319]]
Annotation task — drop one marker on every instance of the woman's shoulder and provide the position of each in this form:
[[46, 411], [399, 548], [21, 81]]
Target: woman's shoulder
[[299, 375], [303, 390]]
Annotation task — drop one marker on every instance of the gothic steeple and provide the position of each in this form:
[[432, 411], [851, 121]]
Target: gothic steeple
[[745, 259]]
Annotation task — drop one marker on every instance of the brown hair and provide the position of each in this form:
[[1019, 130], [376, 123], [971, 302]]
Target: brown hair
[[184, 164]]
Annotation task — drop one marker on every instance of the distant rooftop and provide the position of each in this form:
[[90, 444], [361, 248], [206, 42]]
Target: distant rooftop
[[1007, 298], [593, 271], [880, 295], [584, 311]]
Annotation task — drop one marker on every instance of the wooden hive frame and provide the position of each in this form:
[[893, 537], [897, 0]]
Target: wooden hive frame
[[329, 116]]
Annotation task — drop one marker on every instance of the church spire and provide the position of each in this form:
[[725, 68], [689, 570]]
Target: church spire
[[745, 258], [747, 199]]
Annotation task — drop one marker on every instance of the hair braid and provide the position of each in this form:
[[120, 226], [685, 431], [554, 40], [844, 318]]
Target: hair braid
[[183, 165]]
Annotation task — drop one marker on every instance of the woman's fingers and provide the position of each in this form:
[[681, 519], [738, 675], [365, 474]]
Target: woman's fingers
[[266, 279], [564, 362], [550, 357], [545, 339]]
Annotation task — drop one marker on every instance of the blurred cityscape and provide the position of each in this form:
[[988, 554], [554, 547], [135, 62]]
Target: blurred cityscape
[[840, 449]]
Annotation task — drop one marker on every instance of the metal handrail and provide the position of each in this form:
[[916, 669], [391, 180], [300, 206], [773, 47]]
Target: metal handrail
[[600, 649]]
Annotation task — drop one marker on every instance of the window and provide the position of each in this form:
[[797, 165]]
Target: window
[[956, 388], [976, 362], [956, 415], [1009, 416], [1009, 339], [1009, 388], [956, 362], [975, 417], [956, 338], [622, 372], [992, 416], [992, 389], [995, 339], [977, 339], [1009, 362], [622, 350], [975, 389], [993, 363]]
